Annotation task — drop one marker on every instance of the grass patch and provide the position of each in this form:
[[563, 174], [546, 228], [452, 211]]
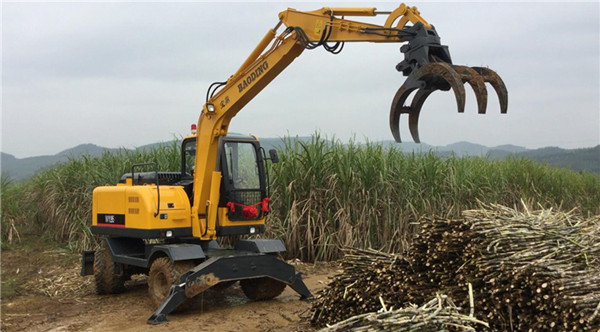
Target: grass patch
[[9, 286]]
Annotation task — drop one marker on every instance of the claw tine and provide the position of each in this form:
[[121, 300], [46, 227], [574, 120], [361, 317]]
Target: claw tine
[[395, 125], [476, 81], [413, 116], [450, 76], [497, 83], [413, 125], [398, 108]]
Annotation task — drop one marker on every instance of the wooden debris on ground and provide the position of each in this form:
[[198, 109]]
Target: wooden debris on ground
[[532, 270], [60, 282], [439, 314]]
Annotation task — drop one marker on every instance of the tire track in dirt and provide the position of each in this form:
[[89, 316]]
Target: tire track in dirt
[[49, 295]]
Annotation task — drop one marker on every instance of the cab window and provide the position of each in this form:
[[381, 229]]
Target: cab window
[[242, 165]]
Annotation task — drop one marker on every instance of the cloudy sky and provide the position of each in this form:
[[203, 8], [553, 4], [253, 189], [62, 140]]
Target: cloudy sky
[[128, 74]]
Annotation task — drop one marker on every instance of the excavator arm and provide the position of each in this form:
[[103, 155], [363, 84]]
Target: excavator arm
[[427, 65]]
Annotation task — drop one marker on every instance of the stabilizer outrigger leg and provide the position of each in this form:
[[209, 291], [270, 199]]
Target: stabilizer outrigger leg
[[228, 268]]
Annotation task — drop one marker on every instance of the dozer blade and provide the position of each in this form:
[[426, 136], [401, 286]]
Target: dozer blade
[[228, 268], [442, 76]]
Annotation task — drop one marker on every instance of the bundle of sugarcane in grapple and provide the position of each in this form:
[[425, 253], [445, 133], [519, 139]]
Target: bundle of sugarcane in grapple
[[527, 271]]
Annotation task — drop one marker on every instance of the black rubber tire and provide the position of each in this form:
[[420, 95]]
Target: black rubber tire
[[264, 288], [223, 285], [162, 275], [107, 281]]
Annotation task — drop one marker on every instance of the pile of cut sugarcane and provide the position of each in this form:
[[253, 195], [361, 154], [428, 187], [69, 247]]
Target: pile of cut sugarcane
[[531, 270]]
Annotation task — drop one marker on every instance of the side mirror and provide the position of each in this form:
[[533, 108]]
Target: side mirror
[[273, 156]]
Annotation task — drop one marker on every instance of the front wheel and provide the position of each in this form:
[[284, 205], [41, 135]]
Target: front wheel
[[162, 275], [262, 288], [105, 274]]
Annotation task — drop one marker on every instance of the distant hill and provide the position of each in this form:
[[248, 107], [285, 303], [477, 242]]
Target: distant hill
[[89, 149], [579, 160], [509, 148], [23, 168], [461, 149]]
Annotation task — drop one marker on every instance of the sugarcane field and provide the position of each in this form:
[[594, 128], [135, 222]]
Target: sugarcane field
[[440, 263]]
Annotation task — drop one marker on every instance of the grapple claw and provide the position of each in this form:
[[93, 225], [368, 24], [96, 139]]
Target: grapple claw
[[395, 121], [427, 78], [441, 75], [494, 79], [477, 82], [428, 67], [398, 105], [415, 107]]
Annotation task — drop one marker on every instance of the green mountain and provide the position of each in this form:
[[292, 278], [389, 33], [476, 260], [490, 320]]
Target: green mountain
[[579, 160], [20, 169]]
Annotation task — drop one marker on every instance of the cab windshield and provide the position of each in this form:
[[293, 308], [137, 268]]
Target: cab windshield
[[189, 157], [242, 165]]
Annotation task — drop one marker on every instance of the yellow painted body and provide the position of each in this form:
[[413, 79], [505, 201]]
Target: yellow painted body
[[139, 204]]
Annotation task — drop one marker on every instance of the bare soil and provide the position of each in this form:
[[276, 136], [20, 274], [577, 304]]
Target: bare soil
[[43, 291]]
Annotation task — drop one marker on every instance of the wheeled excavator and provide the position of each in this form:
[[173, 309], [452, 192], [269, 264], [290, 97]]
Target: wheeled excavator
[[166, 224]]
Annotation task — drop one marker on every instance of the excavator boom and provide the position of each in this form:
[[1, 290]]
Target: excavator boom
[[427, 65]]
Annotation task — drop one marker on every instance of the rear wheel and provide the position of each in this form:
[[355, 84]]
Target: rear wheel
[[223, 285], [163, 274], [262, 288], [105, 274]]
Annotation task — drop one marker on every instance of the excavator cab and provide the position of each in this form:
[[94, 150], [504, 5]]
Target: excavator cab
[[244, 195], [188, 157], [244, 184]]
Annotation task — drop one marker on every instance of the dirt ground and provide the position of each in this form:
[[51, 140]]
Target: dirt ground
[[43, 291]]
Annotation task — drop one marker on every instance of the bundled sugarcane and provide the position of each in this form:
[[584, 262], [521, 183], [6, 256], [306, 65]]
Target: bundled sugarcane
[[537, 270], [529, 271], [439, 314], [368, 274]]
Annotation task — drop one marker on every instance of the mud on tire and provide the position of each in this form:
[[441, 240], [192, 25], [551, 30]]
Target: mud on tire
[[107, 281], [262, 288], [163, 274]]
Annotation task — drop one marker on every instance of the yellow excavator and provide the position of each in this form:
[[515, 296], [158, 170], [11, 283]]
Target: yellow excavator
[[165, 224]]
